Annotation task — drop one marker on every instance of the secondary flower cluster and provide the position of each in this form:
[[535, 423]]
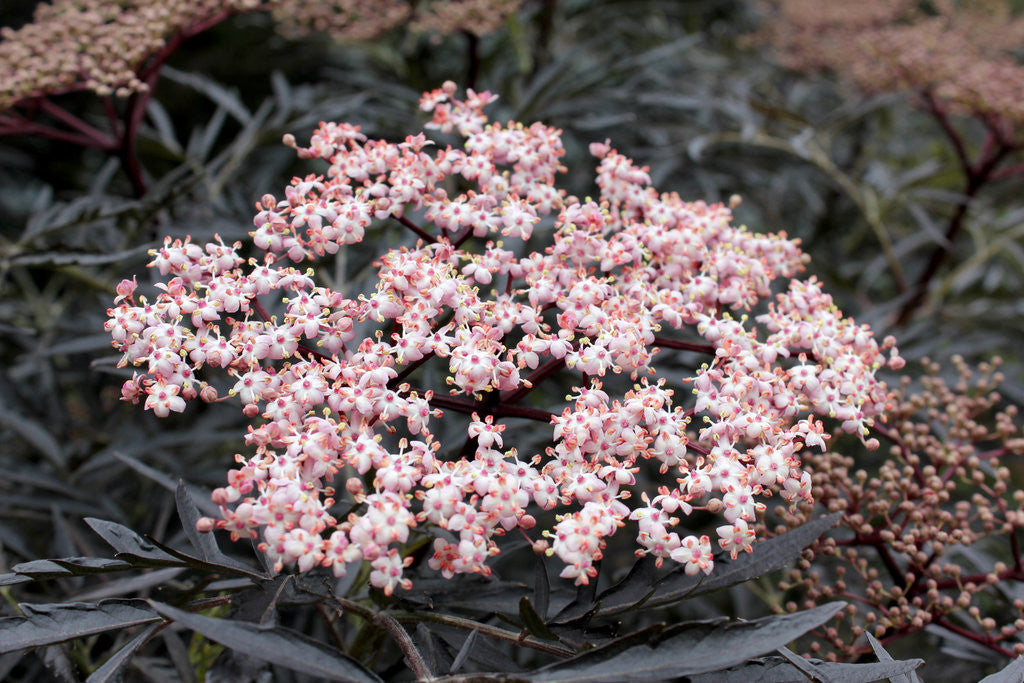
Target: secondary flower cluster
[[512, 284], [907, 555], [962, 55], [101, 45]]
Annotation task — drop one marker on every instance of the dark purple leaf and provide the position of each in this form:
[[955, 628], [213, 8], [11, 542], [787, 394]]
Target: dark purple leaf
[[533, 622], [55, 623], [128, 543], [113, 668], [768, 556], [1013, 673], [687, 649], [778, 670], [280, 646]]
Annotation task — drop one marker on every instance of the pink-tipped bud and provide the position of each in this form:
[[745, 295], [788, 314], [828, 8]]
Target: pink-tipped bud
[[223, 496], [251, 410], [354, 485], [527, 522], [208, 394], [268, 201], [125, 289], [600, 149], [131, 390], [206, 524]]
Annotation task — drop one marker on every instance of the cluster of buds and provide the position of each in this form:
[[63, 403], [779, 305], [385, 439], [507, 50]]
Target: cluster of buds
[[511, 284], [959, 55], [905, 556], [103, 46]]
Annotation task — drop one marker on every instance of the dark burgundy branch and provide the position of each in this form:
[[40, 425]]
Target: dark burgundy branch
[[667, 343], [977, 175], [971, 635], [420, 232], [103, 140], [936, 109], [482, 408], [535, 378]]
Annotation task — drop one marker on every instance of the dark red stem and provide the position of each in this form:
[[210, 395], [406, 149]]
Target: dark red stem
[[420, 232], [684, 346]]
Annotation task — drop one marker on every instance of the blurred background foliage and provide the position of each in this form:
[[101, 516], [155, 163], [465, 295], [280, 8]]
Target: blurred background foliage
[[866, 181]]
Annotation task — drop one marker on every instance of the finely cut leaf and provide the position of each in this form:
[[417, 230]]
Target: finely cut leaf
[[205, 544], [799, 663], [113, 668], [48, 624], [541, 590], [279, 646], [688, 649], [778, 670], [582, 606], [231, 567], [533, 621], [83, 566], [633, 589], [1013, 673], [885, 657], [768, 556], [40, 569], [464, 651], [127, 542], [13, 579]]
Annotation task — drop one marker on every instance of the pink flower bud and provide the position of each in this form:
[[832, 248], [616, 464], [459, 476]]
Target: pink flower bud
[[354, 485], [130, 390], [125, 289], [206, 524], [600, 149]]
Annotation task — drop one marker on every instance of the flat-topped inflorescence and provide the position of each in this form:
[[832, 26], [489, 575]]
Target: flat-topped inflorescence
[[511, 285]]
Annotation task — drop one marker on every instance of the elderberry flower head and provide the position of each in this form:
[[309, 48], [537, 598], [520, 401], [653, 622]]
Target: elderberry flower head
[[511, 287]]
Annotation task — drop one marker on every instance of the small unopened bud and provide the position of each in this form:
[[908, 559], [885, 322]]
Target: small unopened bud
[[206, 524], [125, 288], [734, 201], [354, 485], [130, 391], [223, 496], [208, 394], [251, 410], [527, 522]]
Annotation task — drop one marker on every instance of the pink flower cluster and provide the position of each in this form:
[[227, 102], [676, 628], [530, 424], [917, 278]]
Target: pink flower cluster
[[511, 285]]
